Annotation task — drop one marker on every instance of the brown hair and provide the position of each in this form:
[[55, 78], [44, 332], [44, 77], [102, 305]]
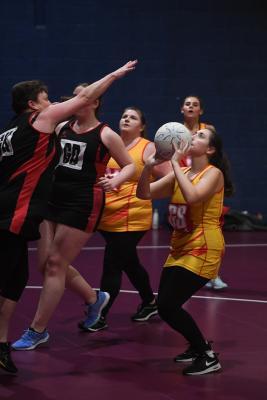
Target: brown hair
[[220, 160], [142, 118], [24, 91]]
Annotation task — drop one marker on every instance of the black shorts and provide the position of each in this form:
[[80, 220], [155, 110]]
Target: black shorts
[[81, 216], [14, 270]]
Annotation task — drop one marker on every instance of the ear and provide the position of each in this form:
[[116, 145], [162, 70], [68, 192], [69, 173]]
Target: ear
[[32, 105], [96, 103], [201, 112], [211, 150]]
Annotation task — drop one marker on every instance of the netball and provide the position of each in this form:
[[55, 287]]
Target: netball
[[166, 134]]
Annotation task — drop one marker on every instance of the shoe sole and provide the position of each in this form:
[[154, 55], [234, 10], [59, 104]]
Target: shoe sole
[[145, 318], [219, 288], [31, 347], [184, 360], [96, 330], [213, 368]]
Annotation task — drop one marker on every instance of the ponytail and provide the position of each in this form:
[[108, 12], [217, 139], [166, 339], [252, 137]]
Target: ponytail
[[220, 160]]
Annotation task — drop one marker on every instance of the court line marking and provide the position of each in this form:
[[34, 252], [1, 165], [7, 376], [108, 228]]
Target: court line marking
[[97, 248], [196, 297]]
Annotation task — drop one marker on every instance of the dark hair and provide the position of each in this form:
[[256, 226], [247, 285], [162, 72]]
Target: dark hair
[[197, 97], [22, 92], [142, 118], [220, 160], [85, 84]]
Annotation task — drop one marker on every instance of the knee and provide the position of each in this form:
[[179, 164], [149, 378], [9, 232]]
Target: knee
[[54, 265], [167, 308], [163, 308]]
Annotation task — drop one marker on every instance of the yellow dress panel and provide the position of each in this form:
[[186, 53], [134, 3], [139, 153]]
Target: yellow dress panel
[[123, 210], [197, 242]]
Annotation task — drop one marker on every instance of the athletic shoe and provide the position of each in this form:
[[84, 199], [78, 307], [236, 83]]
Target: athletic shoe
[[205, 363], [216, 284], [144, 312], [30, 340], [98, 326], [219, 284], [209, 284], [188, 355], [6, 362], [93, 311]]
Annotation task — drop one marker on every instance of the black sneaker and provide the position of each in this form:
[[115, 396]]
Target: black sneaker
[[5, 358], [144, 312], [205, 363], [188, 355], [98, 326]]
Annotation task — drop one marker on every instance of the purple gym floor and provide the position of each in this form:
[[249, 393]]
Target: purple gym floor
[[134, 360]]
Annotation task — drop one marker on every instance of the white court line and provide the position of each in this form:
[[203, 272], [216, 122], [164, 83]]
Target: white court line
[[196, 297], [97, 248]]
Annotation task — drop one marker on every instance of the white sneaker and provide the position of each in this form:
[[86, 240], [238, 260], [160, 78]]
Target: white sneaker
[[209, 284], [218, 284]]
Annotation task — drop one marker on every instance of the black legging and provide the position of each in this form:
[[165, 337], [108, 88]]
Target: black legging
[[121, 255], [177, 285], [14, 265]]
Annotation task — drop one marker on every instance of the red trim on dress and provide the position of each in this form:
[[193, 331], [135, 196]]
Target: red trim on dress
[[31, 180], [97, 205]]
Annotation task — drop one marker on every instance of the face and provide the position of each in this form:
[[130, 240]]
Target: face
[[41, 103], [191, 108], [88, 107], [201, 143], [77, 90], [131, 122]]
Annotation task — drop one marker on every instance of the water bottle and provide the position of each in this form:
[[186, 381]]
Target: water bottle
[[155, 219]]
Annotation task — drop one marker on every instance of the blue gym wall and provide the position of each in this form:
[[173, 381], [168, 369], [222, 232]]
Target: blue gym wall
[[214, 49]]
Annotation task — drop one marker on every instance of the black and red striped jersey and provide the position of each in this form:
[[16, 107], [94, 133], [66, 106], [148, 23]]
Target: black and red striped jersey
[[83, 161], [27, 161]]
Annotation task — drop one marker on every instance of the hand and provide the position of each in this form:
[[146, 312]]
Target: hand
[[128, 67], [179, 151], [108, 184], [153, 160]]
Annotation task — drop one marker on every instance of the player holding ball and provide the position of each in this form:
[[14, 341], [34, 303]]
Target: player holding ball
[[197, 243]]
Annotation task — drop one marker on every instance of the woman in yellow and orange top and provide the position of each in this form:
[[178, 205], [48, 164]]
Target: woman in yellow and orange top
[[192, 109], [125, 221], [197, 244]]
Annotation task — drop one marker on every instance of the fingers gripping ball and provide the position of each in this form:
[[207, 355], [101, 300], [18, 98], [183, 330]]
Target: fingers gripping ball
[[166, 134]]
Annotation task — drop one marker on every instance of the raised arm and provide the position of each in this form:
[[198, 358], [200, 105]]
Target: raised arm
[[56, 113], [211, 182], [156, 190], [159, 170]]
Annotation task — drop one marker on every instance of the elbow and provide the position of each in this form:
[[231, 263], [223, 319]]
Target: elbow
[[85, 95], [191, 200], [143, 196]]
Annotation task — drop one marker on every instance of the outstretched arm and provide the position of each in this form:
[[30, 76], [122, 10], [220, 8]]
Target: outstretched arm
[[156, 190], [159, 170], [56, 113]]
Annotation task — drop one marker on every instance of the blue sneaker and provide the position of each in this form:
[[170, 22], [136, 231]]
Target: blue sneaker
[[93, 312], [30, 339]]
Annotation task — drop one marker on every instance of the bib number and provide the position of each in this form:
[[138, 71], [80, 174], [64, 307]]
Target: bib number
[[178, 217]]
